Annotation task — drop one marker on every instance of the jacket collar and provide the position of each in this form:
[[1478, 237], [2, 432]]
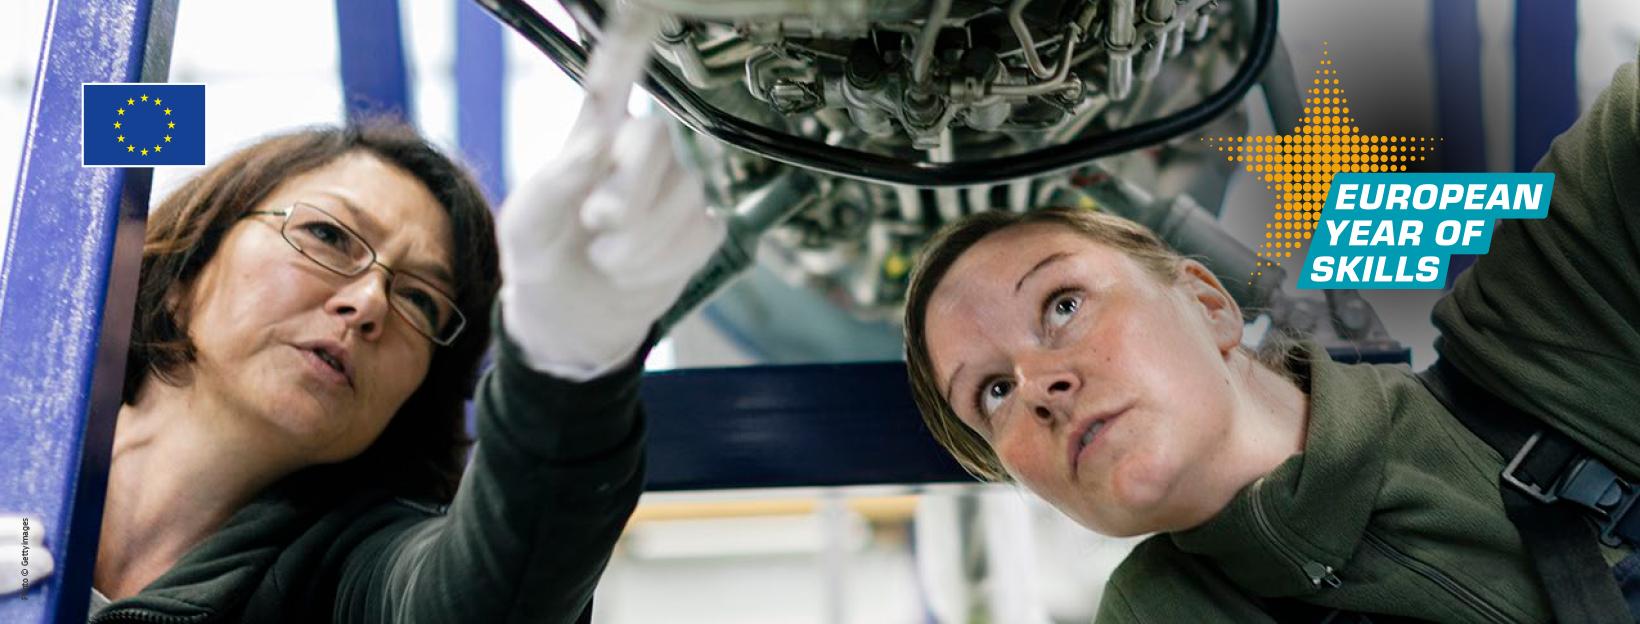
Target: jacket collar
[[1282, 534], [217, 576]]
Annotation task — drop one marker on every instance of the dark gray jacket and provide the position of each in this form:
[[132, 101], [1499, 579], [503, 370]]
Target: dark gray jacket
[[556, 472]]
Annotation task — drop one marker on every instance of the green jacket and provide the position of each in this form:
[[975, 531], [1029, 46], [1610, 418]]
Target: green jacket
[[555, 474], [1393, 506]]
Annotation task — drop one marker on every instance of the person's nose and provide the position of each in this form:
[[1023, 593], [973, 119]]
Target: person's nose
[[1048, 384], [362, 303]]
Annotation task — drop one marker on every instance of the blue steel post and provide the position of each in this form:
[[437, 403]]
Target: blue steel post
[[1545, 76], [1456, 39], [481, 72], [67, 284], [371, 42]]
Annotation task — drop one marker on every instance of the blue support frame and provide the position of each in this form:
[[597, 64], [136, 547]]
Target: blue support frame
[[66, 291], [808, 425], [788, 426], [481, 73], [1545, 76], [1456, 39], [371, 43]]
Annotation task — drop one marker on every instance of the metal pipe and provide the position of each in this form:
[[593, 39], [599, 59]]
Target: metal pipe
[[757, 69], [1159, 11], [1203, 21], [946, 198], [675, 39], [1019, 195], [1053, 84], [1088, 13], [925, 41], [979, 198], [1016, 19], [846, 10], [1281, 92], [728, 55], [1120, 32], [909, 202], [777, 200], [1120, 35], [1119, 74], [1150, 60], [1175, 38]]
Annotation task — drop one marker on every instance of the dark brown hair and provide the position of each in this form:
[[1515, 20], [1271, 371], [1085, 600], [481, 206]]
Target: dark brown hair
[[420, 453], [943, 250]]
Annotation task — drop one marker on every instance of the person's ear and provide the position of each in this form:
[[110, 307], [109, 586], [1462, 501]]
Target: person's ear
[[1218, 308], [178, 302]]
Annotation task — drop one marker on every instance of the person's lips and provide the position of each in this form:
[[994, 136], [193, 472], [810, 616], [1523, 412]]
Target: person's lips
[[1086, 433], [330, 359]]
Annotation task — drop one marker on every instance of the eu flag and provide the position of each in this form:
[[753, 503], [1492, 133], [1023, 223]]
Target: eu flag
[[139, 124]]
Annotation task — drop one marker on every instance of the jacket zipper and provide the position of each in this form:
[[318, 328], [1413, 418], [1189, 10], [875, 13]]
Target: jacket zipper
[[136, 615], [1315, 571], [1427, 571]]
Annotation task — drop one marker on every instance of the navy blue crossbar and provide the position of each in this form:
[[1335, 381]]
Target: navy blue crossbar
[[789, 426]]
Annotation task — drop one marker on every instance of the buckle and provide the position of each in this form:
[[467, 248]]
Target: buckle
[[1622, 526], [1539, 494], [1590, 484]]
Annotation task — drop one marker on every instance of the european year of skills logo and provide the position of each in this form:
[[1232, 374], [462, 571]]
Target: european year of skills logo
[[142, 124], [1399, 230]]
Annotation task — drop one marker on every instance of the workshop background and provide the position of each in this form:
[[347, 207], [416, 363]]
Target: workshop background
[[878, 554]]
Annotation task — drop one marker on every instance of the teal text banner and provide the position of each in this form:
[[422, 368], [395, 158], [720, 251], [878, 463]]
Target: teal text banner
[[1399, 230]]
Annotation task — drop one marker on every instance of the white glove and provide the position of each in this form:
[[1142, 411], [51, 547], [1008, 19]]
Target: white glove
[[24, 560], [597, 245]]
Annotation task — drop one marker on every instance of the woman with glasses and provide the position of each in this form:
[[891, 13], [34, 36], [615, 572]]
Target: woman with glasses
[[312, 315]]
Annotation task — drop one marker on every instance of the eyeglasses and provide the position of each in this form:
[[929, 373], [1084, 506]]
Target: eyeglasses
[[325, 240]]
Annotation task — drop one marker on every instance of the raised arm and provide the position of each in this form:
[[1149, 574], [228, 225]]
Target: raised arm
[[594, 248]]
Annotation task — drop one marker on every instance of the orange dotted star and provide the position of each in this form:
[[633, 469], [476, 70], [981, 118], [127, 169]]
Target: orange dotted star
[[1299, 167]]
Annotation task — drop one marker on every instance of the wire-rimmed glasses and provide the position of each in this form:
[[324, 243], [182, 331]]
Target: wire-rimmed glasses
[[333, 245]]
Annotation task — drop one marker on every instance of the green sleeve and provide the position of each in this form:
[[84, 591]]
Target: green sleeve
[[555, 474], [1549, 319]]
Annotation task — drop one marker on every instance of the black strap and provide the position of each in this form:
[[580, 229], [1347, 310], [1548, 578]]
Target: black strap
[[1543, 465]]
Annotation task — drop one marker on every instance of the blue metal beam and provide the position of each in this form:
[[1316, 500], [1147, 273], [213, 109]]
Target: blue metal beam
[[1545, 76], [788, 426], [1456, 39], [807, 425], [67, 287], [371, 42], [481, 72]]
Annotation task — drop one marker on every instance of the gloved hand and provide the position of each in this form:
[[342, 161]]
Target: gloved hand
[[597, 245], [24, 560]]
